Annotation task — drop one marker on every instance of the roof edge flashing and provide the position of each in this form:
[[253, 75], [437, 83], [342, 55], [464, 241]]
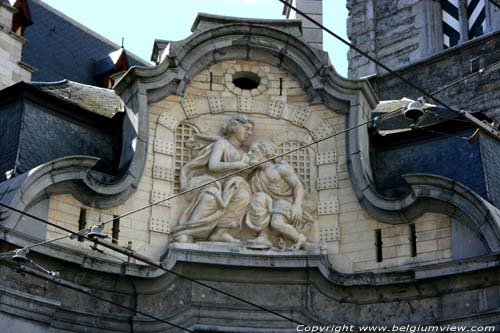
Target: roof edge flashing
[[206, 21]]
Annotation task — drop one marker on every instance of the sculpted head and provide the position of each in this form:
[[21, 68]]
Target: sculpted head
[[238, 126], [261, 150]]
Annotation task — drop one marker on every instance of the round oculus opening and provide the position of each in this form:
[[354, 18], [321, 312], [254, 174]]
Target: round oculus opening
[[246, 80]]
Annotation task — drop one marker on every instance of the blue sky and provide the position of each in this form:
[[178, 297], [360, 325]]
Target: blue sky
[[141, 22]]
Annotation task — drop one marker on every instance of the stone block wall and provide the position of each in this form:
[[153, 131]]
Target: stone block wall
[[314, 9], [398, 33], [282, 115], [10, 50], [391, 31]]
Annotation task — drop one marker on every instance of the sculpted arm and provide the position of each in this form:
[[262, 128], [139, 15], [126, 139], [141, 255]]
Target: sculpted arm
[[288, 173]]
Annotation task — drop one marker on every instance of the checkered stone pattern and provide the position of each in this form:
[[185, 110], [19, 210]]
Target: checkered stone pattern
[[189, 108], [329, 157], [159, 225], [216, 104], [164, 147], [160, 197], [326, 183], [300, 116], [163, 173], [275, 107], [245, 104], [168, 121], [328, 207], [329, 234]]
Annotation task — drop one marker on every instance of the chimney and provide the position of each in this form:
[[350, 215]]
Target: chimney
[[314, 9]]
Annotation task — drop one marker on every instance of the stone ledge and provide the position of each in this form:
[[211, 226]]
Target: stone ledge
[[236, 255]]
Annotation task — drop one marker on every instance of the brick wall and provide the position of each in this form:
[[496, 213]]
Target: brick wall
[[342, 226], [356, 249]]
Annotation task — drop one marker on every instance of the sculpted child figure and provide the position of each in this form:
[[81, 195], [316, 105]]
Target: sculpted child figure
[[214, 210], [278, 201]]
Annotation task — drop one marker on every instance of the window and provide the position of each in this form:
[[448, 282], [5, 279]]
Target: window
[[378, 245], [413, 240], [462, 20], [82, 222], [183, 133], [115, 231]]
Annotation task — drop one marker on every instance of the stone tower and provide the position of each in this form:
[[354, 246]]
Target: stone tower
[[399, 33], [12, 70], [314, 8]]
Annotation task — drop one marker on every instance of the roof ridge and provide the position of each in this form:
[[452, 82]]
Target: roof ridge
[[66, 81], [89, 31]]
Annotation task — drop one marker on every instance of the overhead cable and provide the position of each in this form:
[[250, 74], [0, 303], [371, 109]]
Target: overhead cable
[[86, 291], [366, 55]]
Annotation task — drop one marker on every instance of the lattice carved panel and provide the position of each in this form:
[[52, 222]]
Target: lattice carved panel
[[323, 132], [300, 159], [183, 133]]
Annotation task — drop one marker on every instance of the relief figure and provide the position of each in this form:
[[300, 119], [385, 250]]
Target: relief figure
[[213, 211], [279, 202]]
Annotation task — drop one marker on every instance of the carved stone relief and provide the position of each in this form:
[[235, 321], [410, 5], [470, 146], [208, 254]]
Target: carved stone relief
[[275, 206], [266, 207]]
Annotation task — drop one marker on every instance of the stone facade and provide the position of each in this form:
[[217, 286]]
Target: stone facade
[[398, 33], [12, 70], [346, 231], [361, 267]]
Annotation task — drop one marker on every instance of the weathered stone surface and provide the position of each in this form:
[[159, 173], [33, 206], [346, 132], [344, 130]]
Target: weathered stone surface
[[308, 297]]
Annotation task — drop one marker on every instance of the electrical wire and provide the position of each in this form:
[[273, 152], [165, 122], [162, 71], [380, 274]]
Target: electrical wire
[[366, 55], [423, 129], [481, 72], [151, 262], [82, 290], [431, 95], [495, 4], [82, 233]]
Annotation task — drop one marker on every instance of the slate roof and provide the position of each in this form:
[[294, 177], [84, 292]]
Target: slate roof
[[61, 48], [400, 149], [104, 102]]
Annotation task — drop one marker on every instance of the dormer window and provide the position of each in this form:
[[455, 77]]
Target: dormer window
[[109, 69], [22, 18], [463, 20]]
